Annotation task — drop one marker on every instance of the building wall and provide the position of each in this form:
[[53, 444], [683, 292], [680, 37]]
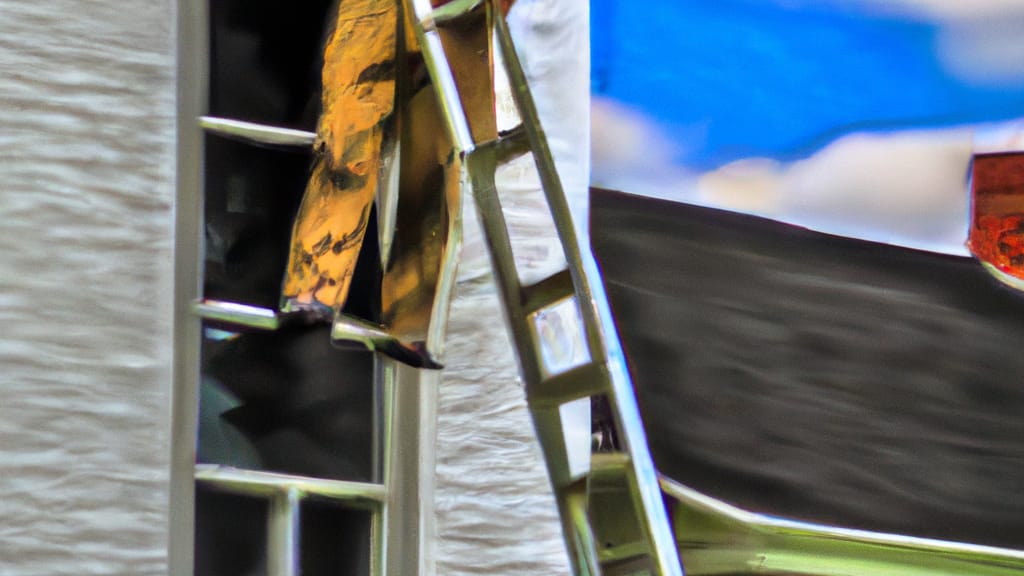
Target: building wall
[[87, 176], [87, 111]]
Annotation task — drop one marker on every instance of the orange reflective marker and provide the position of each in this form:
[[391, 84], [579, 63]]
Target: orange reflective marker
[[997, 214], [358, 101]]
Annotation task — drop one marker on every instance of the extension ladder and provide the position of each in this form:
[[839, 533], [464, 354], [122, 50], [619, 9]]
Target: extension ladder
[[614, 520], [613, 516]]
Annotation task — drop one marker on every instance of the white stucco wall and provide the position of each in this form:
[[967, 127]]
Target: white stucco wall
[[87, 108], [87, 172]]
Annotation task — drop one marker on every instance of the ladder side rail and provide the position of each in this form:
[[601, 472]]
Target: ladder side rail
[[580, 543], [478, 166], [598, 323], [441, 74], [552, 187], [480, 163]]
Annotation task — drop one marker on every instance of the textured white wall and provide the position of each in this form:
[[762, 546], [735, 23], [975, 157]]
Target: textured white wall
[[86, 191], [86, 235]]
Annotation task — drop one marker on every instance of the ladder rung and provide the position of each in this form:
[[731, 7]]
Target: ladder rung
[[509, 145], [450, 12], [257, 133], [548, 291], [238, 314], [255, 483], [606, 376], [609, 472], [608, 462], [579, 382], [344, 329], [349, 329]]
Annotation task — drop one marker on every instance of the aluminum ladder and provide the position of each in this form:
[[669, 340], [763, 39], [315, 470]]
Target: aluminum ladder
[[613, 516]]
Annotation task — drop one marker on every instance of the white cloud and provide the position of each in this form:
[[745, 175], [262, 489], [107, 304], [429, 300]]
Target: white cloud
[[953, 9], [631, 152], [902, 187], [980, 41], [984, 50], [752, 185], [907, 188]]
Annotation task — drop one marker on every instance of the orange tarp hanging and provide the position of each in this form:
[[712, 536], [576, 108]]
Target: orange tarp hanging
[[358, 101]]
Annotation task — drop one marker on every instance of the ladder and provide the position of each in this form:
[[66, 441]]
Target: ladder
[[613, 516]]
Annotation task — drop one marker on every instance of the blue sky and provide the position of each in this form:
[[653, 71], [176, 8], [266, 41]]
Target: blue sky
[[853, 117], [729, 79]]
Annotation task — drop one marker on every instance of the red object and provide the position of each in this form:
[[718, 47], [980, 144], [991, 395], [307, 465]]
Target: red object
[[997, 211]]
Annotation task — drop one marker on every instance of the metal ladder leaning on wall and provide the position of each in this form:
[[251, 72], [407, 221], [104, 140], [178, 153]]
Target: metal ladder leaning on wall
[[614, 520], [613, 517]]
